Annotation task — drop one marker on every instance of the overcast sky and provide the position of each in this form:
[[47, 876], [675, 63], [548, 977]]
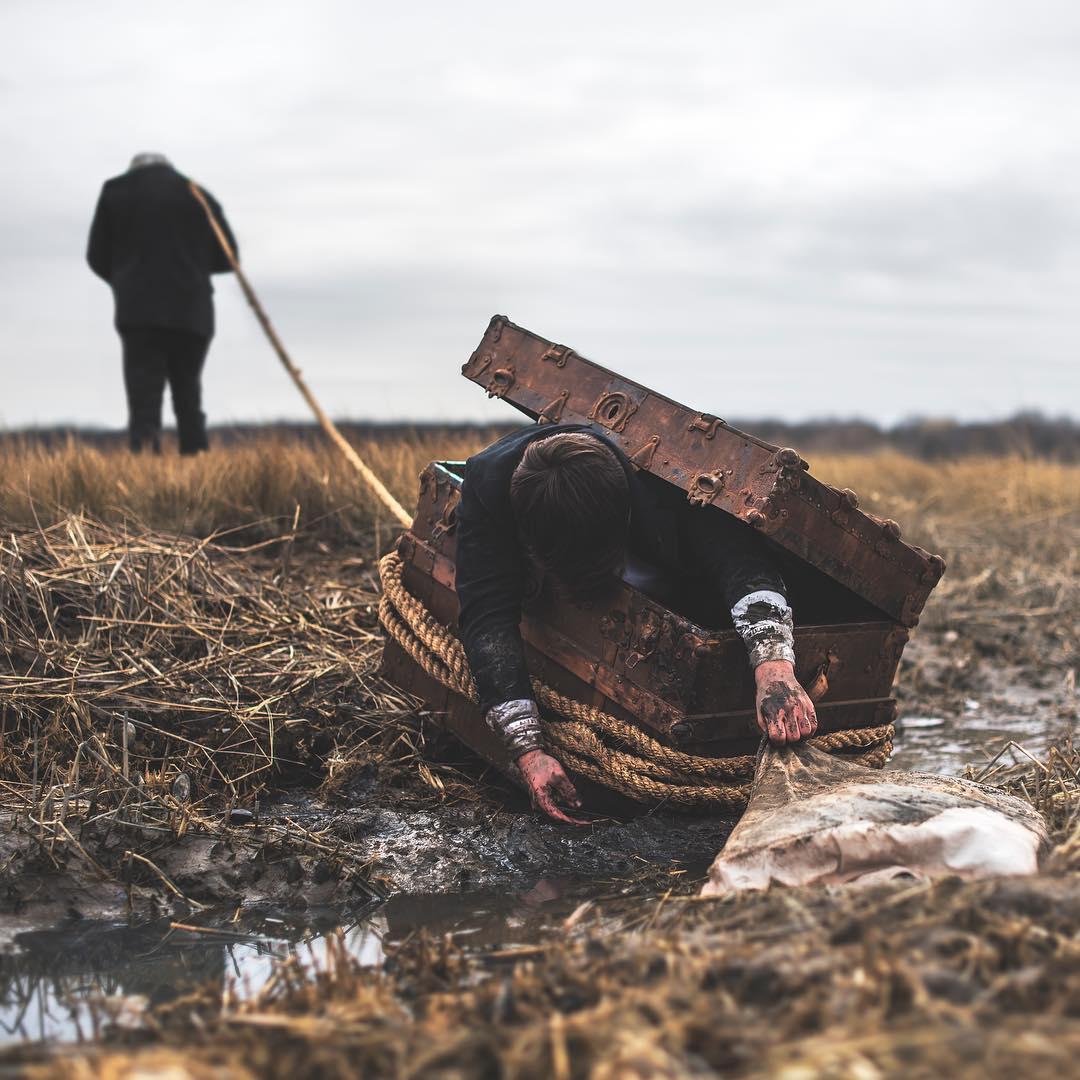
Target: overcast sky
[[769, 208]]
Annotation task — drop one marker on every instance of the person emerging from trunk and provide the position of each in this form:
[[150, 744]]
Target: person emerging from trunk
[[151, 241], [564, 503]]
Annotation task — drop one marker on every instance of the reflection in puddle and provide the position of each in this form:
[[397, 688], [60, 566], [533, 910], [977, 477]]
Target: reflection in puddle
[[62, 983], [946, 746]]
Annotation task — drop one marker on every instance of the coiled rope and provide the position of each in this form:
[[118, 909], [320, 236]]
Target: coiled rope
[[593, 743]]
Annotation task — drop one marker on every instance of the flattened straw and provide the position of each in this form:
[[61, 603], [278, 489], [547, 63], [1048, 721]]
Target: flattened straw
[[34, 779], [166, 881]]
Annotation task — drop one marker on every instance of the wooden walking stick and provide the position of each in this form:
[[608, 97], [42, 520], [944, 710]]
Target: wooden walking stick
[[377, 487]]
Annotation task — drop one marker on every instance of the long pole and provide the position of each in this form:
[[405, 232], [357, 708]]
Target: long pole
[[377, 487]]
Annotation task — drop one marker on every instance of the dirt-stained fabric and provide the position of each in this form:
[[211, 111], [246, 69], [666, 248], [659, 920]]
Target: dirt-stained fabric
[[813, 818]]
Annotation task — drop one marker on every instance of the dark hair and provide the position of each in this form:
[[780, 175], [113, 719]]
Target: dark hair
[[571, 502]]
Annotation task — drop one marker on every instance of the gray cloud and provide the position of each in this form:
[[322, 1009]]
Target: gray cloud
[[793, 209], [946, 233]]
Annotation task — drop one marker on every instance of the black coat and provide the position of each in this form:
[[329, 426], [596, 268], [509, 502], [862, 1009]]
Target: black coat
[[709, 553], [151, 242]]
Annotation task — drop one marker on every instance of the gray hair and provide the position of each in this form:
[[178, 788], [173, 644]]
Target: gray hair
[[140, 161]]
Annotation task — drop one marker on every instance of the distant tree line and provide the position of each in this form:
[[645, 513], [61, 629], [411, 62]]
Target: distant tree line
[[1026, 434]]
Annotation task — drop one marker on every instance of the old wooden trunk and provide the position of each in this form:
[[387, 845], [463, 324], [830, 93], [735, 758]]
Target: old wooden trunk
[[855, 587]]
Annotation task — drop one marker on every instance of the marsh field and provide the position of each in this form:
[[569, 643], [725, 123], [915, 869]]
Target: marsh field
[[229, 848]]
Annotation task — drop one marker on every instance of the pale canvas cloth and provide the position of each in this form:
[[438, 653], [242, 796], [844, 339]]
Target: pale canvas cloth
[[813, 818]]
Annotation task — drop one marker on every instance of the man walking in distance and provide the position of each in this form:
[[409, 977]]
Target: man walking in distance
[[151, 242]]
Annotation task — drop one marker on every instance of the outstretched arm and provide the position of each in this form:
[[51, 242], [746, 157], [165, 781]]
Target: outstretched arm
[[489, 583], [517, 723], [784, 710], [736, 562]]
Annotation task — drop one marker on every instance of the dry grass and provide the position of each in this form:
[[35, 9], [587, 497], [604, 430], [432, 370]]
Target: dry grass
[[129, 633], [1008, 527], [133, 652], [987, 487], [262, 486], [179, 636], [156, 649], [266, 479], [941, 504], [148, 681]]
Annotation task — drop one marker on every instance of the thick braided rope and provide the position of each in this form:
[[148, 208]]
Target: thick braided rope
[[637, 766], [683, 764]]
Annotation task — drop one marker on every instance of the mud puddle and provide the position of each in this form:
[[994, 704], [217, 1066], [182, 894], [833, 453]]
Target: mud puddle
[[948, 745], [67, 983], [971, 724]]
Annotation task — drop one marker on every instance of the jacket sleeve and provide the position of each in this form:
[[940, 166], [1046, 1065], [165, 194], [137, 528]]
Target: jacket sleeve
[[219, 264], [732, 557], [99, 246], [736, 563], [489, 583]]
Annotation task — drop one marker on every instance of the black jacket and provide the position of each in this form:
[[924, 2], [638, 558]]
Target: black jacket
[[706, 550], [151, 242]]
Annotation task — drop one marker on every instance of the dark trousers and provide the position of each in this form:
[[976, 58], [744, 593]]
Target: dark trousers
[[155, 355]]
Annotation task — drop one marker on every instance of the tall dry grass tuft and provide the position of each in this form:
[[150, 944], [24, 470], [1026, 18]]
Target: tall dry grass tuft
[[1009, 529], [268, 477], [1007, 526], [987, 491], [262, 484], [135, 657]]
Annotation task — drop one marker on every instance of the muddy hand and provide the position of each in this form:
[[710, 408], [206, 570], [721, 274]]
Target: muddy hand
[[785, 712], [549, 785]]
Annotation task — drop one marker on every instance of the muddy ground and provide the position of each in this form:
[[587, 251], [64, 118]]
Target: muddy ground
[[545, 922], [964, 695], [300, 848]]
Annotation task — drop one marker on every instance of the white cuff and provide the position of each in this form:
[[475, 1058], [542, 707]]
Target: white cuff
[[517, 723], [763, 620]]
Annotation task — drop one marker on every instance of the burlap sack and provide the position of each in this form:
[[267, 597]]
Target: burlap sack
[[815, 818]]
